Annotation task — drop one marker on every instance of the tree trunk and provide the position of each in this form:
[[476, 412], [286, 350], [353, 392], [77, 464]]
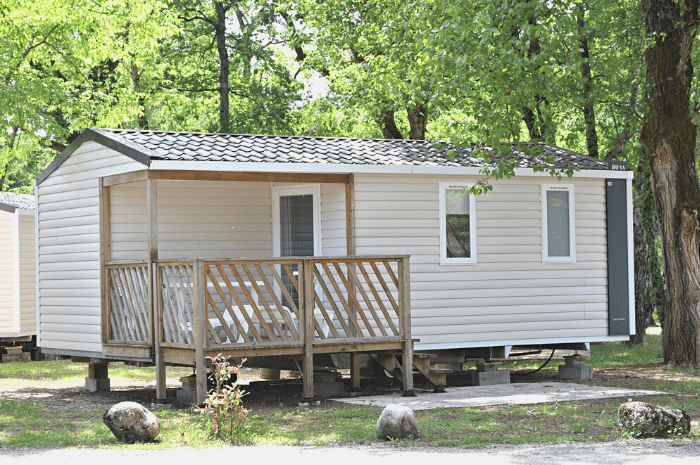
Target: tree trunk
[[626, 133], [670, 138], [641, 272], [4, 175], [529, 119], [418, 120], [136, 82], [220, 30], [10, 147], [588, 109], [388, 125], [657, 282]]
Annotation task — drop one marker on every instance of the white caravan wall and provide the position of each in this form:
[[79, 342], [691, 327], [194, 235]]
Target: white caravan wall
[[69, 248], [333, 241], [27, 272], [6, 272], [196, 219], [509, 295]]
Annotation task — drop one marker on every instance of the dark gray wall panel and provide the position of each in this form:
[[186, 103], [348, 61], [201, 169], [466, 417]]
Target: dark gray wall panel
[[618, 264]]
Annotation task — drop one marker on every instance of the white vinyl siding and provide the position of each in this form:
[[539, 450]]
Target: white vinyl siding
[[196, 219], [27, 272], [68, 248], [7, 248], [509, 295], [333, 218]]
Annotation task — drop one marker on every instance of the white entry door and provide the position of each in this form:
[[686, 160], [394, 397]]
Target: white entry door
[[296, 228]]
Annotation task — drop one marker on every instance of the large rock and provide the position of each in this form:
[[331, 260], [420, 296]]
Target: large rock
[[649, 420], [131, 422], [398, 422]]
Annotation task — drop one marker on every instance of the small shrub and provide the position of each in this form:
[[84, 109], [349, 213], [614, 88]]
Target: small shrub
[[223, 409]]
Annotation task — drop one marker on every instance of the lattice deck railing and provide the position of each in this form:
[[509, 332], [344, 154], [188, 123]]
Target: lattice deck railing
[[281, 302]]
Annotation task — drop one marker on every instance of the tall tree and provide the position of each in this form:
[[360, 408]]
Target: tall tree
[[671, 141], [229, 56], [369, 58]]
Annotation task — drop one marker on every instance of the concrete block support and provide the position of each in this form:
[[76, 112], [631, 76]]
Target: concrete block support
[[488, 374], [332, 389], [489, 378], [98, 378], [15, 354], [188, 394], [575, 368]]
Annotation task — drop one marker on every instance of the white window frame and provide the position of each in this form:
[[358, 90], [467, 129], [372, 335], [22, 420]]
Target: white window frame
[[444, 259], [572, 224]]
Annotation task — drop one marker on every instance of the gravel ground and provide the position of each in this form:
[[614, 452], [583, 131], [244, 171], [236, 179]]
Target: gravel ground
[[612, 453]]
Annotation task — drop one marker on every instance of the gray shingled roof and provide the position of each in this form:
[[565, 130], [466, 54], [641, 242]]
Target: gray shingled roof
[[158, 145], [23, 201]]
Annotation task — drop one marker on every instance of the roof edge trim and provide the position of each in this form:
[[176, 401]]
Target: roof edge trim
[[318, 168], [91, 135]]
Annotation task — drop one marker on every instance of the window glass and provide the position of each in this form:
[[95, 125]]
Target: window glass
[[296, 235], [558, 234], [457, 217]]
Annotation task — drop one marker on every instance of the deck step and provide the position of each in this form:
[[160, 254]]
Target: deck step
[[421, 362], [441, 370]]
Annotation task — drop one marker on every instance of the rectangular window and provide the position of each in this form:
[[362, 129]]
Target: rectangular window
[[457, 225], [558, 232]]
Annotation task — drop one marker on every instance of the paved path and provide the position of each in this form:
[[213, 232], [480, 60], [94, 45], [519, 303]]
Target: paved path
[[516, 393], [633, 452]]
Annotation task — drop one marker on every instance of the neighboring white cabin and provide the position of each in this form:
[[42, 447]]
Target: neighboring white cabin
[[506, 292], [17, 267]]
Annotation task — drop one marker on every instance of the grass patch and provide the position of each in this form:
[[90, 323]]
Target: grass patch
[[609, 355], [619, 354], [67, 372], [25, 424]]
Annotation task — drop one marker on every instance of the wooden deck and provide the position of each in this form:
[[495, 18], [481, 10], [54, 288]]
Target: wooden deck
[[187, 310]]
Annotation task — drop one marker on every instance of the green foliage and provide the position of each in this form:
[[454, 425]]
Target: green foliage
[[223, 410], [326, 117], [23, 168]]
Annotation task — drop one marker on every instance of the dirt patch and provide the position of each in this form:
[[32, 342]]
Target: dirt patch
[[286, 392]]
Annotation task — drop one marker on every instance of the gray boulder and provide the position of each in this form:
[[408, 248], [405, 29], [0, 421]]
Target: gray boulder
[[649, 420], [131, 422], [398, 422]]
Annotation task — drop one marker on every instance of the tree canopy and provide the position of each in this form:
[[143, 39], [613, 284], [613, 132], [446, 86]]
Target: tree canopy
[[477, 71]]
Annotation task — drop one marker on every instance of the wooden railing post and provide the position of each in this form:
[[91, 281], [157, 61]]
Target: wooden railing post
[[157, 322], [354, 356], [405, 296], [105, 256], [155, 309], [307, 307], [200, 316]]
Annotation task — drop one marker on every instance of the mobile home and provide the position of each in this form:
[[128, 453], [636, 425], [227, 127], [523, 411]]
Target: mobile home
[[165, 247], [17, 274]]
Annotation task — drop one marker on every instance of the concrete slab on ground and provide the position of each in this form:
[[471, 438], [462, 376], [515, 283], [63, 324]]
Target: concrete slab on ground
[[502, 394]]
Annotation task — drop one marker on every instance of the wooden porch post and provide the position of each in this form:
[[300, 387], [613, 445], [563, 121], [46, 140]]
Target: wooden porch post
[[105, 254], [350, 246], [308, 290], [200, 367], [156, 322], [405, 294]]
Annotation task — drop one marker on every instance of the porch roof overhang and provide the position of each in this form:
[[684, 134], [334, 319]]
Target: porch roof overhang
[[277, 157], [11, 202]]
